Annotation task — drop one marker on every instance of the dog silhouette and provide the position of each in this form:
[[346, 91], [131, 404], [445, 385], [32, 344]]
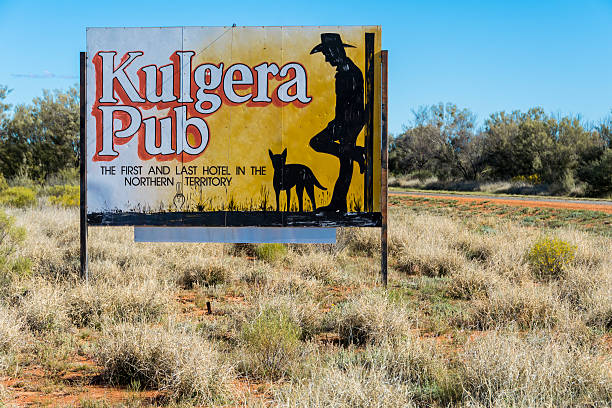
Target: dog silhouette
[[288, 175]]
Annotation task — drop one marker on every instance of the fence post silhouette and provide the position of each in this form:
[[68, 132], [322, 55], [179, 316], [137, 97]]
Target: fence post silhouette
[[84, 271], [384, 158]]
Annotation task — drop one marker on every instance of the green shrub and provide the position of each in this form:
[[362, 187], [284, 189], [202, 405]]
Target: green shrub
[[65, 196], [270, 252], [3, 183], [241, 249], [67, 175], [211, 272], [421, 175], [11, 266], [9, 233], [271, 344], [549, 257], [598, 173], [530, 179], [19, 197]]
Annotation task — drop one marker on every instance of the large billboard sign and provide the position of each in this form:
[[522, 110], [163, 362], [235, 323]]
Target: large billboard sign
[[234, 126]]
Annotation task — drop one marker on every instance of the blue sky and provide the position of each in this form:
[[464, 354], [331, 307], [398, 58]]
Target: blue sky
[[486, 56]]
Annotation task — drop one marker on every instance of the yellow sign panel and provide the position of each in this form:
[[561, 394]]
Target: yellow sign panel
[[234, 126]]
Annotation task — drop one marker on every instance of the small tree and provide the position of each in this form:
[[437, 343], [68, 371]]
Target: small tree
[[4, 107], [442, 139], [42, 138], [598, 174], [604, 131], [411, 151]]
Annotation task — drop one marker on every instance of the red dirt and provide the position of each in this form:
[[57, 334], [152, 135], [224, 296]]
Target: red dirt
[[259, 390], [34, 387], [522, 203]]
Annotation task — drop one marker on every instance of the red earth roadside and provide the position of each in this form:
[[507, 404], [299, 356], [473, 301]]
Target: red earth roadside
[[517, 202]]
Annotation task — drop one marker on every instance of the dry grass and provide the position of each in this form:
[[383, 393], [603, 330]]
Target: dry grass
[[92, 305], [309, 325], [472, 282], [203, 272], [498, 187], [12, 335], [355, 387], [369, 317], [359, 241], [321, 266], [425, 260], [5, 394], [172, 360], [397, 373], [504, 369], [274, 280], [528, 306], [598, 308], [42, 307], [270, 345], [426, 246], [431, 375], [302, 311]]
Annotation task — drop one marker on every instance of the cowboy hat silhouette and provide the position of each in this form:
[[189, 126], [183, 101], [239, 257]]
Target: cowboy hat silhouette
[[330, 40]]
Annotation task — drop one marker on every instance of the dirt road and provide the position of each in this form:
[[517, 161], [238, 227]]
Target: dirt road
[[573, 204]]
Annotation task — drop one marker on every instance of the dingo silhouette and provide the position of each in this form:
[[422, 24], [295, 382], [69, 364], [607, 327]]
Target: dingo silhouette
[[288, 175]]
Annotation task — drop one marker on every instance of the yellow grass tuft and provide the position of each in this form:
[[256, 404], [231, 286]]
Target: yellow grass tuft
[[165, 358]]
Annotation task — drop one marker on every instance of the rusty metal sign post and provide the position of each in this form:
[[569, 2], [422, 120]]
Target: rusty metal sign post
[[384, 162], [84, 271]]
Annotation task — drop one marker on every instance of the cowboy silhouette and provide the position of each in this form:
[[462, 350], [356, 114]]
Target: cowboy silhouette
[[340, 136]]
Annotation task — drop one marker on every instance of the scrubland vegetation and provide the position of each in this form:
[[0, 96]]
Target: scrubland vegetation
[[480, 311], [487, 305], [444, 147]]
